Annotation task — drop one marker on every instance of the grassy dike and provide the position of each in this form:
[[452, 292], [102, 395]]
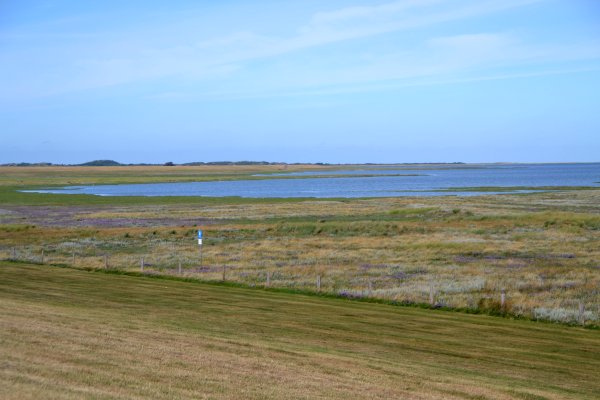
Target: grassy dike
[[75, 334]]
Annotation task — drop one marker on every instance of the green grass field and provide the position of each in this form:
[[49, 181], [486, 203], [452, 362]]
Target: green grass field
[[68, 334]]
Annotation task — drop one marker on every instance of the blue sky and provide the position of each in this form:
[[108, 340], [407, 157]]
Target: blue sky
[[300, 81]]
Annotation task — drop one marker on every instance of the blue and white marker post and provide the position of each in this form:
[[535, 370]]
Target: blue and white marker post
[[200, 245]]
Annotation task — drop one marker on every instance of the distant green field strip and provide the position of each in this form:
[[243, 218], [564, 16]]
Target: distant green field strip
[[68, 333], [12, 195], [328, 176], [515, 188], [57, 180]]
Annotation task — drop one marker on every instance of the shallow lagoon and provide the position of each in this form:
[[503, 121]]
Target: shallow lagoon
[[372, 181]]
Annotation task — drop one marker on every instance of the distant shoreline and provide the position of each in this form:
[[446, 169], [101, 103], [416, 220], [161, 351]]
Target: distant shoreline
[[112, 163]]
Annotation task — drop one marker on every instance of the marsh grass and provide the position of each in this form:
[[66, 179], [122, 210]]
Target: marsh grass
[[464, 274]]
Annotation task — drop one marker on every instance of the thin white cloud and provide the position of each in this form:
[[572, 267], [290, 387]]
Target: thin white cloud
[[221, 58], [443, 60], [360, 22], [478, 41], [387, 86], [361, 13]]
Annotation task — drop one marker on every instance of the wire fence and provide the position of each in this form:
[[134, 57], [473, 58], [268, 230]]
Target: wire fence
[[191, 262]]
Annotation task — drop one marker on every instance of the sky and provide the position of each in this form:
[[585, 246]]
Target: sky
[[341, 81]]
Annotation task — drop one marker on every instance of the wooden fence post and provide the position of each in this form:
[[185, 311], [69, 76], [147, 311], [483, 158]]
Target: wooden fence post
[[503, 300], [431, 295], [223, 273], [105, 261], [370, 287], [318, 283], [42, 258], [581, 313], [268, 279], [73, 258], [179, 268], [142, 264], [14, 253]]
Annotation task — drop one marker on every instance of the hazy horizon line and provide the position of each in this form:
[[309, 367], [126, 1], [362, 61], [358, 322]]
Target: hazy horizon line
[[264, 162]]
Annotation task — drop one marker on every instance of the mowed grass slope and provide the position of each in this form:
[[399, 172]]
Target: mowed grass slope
[[68, 333]]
